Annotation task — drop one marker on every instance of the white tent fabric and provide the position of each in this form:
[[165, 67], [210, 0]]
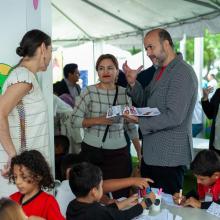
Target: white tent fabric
[[77, 21]]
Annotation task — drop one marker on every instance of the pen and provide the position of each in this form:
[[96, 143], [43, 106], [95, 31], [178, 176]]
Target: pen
[[180, 196]]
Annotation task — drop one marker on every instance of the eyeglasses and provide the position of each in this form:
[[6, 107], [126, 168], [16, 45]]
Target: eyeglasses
[[108, 69]]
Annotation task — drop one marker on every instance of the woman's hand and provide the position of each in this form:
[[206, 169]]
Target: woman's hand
[[102, 120]]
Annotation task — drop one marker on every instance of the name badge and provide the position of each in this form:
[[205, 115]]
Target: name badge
[[208, 197]]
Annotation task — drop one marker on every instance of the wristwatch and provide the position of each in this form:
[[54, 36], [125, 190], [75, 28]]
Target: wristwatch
[[148, 202]]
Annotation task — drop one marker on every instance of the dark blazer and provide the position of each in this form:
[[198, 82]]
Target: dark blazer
[[211, 110], [167, 138], [61, 87]]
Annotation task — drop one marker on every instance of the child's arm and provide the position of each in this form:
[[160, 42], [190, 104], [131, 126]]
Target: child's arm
[[193, 203], [112, 185], [133, 200], [179, 200], [126, 203]]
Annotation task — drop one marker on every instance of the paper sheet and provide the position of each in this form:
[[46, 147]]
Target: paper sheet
[[115, 111], [165, 214], [214, 209]]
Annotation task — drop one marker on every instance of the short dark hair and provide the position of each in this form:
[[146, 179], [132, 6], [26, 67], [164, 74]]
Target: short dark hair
[[84, 177], [69, 68], [31, 41], [163, 35], [63, 141], [68, 161], [107, 56], [206, 163], [34, 161]]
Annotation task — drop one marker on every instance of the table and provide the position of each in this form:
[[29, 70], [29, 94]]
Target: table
[[188, 213]]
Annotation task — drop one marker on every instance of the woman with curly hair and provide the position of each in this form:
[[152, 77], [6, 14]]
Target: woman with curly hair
[[31, 174]]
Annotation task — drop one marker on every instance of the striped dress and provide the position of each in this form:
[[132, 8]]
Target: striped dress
[[28, 121]]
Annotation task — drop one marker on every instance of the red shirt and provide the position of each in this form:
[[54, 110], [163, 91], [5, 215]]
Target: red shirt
[[160, 73], [214, 190], [43, 205]]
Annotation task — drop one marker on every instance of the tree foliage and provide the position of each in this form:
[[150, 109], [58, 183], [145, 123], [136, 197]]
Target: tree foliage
[[211, 49]]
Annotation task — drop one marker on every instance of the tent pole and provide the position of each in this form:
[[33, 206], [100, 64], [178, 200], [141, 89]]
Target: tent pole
[[93, 57], [143, 50]]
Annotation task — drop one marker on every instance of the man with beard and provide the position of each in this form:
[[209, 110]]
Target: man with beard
[[167, 138]]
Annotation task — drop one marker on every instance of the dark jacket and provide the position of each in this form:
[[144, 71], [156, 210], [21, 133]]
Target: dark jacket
[[94, 211], [211, 110], [61, 87]]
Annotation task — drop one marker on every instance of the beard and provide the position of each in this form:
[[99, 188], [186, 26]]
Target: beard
[[160, 59]]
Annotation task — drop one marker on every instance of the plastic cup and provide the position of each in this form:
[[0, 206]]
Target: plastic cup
[[145, 212], [157, 204]]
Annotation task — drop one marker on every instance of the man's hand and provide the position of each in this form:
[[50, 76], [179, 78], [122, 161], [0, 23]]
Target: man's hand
[[131, 74]]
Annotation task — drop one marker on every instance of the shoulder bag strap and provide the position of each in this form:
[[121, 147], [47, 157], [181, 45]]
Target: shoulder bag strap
[[107, 127]]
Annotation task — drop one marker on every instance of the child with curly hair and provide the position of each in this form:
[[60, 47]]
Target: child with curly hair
[[31, 174]]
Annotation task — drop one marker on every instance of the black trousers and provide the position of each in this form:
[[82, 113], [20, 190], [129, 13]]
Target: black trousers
[[170, 179], [116, 164]]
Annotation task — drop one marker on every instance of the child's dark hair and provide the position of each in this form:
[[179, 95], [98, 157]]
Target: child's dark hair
[[34, 161], [31, 41], [84, 177], [206, 163], [68, 161], [63, 141]]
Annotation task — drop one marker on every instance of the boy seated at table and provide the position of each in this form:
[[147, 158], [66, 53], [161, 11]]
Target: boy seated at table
[[85, 181], [206, 168], [64, 194]]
